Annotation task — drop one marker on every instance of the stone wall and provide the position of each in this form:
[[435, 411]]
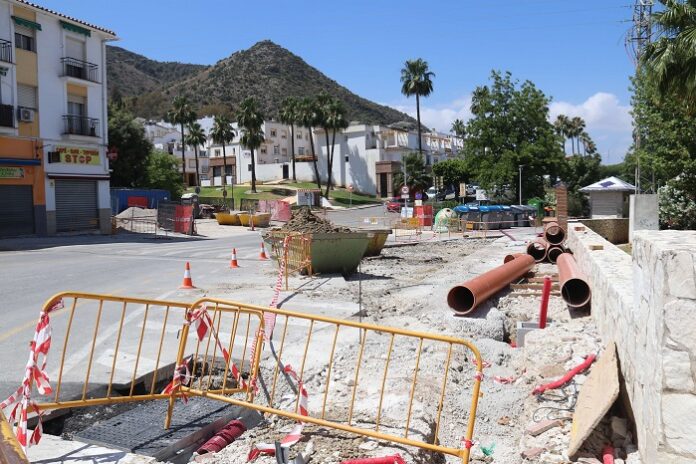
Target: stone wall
[[647, 305], [613, 229]]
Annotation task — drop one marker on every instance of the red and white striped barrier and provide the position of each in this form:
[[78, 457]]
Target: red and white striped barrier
[[20, 401]]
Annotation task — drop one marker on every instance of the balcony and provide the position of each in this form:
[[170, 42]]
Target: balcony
[[5, 51], [80, 125], [80, 69], [6, 116]]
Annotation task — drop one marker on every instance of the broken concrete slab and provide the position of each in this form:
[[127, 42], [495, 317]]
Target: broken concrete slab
[[537, 428], [55, 450]]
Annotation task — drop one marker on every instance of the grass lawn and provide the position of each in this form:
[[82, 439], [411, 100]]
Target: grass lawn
[[339, 196]]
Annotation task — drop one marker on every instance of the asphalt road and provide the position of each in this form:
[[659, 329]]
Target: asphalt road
[[34, 269]]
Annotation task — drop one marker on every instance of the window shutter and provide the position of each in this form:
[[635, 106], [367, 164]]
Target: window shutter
[[75, 49], [26, 96], [29, 32]]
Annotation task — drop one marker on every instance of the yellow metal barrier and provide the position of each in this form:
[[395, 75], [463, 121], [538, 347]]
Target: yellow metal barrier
[[384, 393], [11, 451], [295, 249]]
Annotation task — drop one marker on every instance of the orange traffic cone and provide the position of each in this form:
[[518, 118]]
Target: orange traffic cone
[[187, 283], [233, 262], [262, 255]]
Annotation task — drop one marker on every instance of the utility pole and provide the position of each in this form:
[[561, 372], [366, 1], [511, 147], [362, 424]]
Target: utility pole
[[639, 37]]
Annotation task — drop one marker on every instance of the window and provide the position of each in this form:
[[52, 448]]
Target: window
[[217, 170], [26, 96], [347, 159], [233, 150], [263, 150], [284, 151], [25, 38], [249, 167], [75, 48], [192, 163], [76, 105], [299, 136], [276, 160], [306, 137], [273, 132], [284, 134], [217, 152], [276, 149], [300, 151]]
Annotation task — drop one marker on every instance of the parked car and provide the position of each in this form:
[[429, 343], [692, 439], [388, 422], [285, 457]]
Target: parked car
[[394, 205], [431, 193]]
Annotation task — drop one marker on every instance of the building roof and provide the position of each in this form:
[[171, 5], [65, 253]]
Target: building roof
[[610, 184], [70, 18]]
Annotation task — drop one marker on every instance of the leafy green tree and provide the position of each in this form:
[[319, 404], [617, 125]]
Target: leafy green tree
[[250, 120], [335, 114], [223, 133], [181, 114], [509, 128], [666, 129], [581, 170], [417, 177], [453, 172], [417, 79], [670, 61], [128, 137], [195, 138], [162, 171], [289, 116], [309, 115]]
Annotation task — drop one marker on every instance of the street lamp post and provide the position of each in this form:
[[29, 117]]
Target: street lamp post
[[520, 191]]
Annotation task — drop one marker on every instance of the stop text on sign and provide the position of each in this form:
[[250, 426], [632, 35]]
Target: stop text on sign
[[78, 155]]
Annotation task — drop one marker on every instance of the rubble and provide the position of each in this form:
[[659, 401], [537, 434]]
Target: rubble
[[304, 221]]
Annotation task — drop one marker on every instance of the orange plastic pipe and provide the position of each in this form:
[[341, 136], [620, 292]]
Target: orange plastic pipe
[[554, 252], [464, 298], [574, 287], [510, 257], [538, 249], [554, 234]]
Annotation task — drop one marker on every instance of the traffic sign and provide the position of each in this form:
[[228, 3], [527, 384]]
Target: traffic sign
[[404, 190]]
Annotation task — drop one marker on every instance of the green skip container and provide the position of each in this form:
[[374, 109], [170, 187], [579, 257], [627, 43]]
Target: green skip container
[[338, 252]]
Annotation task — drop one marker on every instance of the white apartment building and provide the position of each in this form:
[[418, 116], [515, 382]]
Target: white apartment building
[[167, 137], [53, 121]]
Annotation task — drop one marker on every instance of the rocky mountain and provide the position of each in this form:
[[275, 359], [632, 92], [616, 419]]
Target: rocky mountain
[[266, 71]]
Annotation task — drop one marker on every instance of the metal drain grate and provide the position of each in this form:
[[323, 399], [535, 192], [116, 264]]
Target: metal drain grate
[[141, 429]]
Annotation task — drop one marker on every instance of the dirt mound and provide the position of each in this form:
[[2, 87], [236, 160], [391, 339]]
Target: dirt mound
[[303, 220], [137, 213]]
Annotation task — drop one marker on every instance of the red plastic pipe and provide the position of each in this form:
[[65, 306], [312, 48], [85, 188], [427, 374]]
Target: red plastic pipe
[[566, 378], [510, 257], [224, 437], [464, 298], [608, 455], [544, 302], [395, 459]]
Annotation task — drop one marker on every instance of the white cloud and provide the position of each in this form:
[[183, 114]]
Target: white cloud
[[608, 121], [440, 117]]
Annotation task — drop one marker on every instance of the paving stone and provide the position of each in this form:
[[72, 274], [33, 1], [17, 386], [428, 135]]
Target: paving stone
[[532, 453], [537, 428]]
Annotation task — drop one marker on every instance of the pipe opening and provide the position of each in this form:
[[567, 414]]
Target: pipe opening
[[554, 253], [576, 292], [555, 235], [537, 251], [461, 300]]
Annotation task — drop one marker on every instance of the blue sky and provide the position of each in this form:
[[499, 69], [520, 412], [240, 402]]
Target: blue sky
[[574, 51]]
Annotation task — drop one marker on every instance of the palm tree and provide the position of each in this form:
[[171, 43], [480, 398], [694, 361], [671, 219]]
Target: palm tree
[[335, 115], [195, 138], [417, 178], [250, 120], [670, 61], [308, 115], [416, 80], [222, 133], [323, 102], [562, 127], [577, 127], [288, 115], [458, 128], [182, 114]]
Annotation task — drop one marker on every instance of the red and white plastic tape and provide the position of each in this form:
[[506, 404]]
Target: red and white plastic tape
[[35, 372], [296, 433]]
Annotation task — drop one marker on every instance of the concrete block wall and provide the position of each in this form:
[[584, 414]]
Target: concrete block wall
[[647, 304], [613, 229]]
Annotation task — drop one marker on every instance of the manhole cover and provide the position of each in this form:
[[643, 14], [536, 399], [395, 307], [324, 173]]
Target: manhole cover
[[141, 429]]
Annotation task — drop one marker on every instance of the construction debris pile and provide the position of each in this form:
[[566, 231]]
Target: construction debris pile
[[304, 221]]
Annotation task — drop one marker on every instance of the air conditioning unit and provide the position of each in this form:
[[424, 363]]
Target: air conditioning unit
[[26, 115]]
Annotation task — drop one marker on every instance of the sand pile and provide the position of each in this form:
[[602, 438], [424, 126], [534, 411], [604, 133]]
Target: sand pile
[[304, 221], [135, 212]]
